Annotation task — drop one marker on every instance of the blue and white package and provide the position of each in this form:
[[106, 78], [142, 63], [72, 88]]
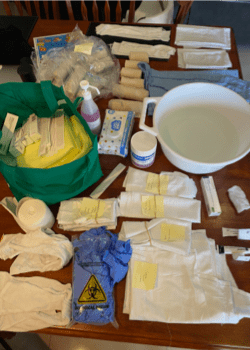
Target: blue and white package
[[100, 261], [116, 132]]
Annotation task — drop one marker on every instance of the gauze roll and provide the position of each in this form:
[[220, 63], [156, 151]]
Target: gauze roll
[[129, 92], [34, 213], [131, 64], [132, 82], [238, 198], [125, 105], [37, 251], [131, 73], [32, 303], [139, 56]]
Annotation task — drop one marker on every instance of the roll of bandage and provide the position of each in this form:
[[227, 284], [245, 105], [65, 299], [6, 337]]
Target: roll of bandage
[[131, 73], [125, 105], [34, 213], [129, 92], [139, 56], [132, 82], [131, 64]]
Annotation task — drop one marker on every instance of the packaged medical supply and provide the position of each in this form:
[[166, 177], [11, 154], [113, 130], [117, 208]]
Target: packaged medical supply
[[108, 181], [89, 110], [100, 261], [78, 214], [240, 233], [33, 303], [116, 132], [143, 149], [8, 129], [166, 183], [210, 196], [238, 253]]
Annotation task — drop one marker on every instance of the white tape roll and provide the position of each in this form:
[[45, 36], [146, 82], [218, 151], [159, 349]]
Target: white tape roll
[[34, 213]]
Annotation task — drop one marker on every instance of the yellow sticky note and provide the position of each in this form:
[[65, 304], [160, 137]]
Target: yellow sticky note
[[171, 232], [153, 183], [84, 48], [144, 275], [164, 179], [148, 206], [159, 202], [92, 208]]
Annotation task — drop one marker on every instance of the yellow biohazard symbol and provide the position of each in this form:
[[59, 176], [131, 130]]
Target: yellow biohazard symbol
[[92, 292]]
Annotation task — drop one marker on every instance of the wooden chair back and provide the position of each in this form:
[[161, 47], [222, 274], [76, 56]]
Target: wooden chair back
[[34, 8], [184, 8]]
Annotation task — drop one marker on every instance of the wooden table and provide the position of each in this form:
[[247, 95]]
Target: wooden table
[[209, 336]]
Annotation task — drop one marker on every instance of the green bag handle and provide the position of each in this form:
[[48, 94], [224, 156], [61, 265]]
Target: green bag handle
[[49, 95]]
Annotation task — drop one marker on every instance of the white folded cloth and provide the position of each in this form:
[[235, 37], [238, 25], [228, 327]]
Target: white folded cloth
[[154, 51], [203, 59], [203, 36], [130, 205], [33, 303], [40, 250], [179, 184], [138, 32], [149, 233], [238, 198], [70, 216], [200, 287]]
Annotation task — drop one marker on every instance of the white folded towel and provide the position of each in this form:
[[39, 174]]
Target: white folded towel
[[40, 250], [32, 303], [179, 184], [154, 51], [137, 32], [203, 36], [130, 205], [203, 59], [149, 233]]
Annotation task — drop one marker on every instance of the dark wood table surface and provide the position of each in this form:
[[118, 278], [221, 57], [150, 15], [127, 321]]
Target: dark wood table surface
[[195, 336]]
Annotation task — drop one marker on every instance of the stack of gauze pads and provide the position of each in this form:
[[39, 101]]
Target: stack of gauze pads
[[131, 91]]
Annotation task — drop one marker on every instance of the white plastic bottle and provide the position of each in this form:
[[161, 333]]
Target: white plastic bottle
[[89, 110]]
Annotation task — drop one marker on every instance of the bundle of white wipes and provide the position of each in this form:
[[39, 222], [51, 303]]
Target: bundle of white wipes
[[238, 198], [40, 250], [203, 36], [149, 206], [178, 184], [203, 59], [151, 234], [33, 303], [138, 32], [79, 214], [175, 288]]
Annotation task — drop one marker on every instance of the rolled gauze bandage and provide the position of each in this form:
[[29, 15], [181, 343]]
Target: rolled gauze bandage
[[139, 56], [125, 105], [34, 213], [132, 82], [131, 64], [131, 73], [129, 92]]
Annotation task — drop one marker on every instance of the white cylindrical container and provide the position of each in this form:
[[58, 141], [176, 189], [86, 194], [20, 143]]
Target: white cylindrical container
[[143, 149], [34, 213]]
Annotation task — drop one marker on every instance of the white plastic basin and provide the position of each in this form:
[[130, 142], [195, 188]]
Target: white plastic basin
[[201, 127]]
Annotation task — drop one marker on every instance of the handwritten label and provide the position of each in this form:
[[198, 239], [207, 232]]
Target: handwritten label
[[84, 48], [157, 184], [171, 232], [92, 208], [152, 206], [144, 275]]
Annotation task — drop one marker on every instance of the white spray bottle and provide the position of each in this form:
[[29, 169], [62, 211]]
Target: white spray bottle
[[89, 110]]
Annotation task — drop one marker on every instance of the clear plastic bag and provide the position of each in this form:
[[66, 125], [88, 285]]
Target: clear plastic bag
[[83, 58]]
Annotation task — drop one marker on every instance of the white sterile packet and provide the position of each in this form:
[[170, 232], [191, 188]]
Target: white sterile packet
[[238, 198]]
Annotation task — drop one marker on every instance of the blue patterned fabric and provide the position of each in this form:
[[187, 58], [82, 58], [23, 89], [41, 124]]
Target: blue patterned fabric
[[98, 253]]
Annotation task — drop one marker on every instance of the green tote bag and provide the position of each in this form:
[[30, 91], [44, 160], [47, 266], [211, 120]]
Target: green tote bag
[[54, 184]]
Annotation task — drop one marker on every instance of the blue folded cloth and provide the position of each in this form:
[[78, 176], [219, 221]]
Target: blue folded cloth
[[159, 82], [100, 261]]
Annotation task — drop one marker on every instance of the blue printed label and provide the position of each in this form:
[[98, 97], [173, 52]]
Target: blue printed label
[[128, 127], [142, 159], [116, 125]]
